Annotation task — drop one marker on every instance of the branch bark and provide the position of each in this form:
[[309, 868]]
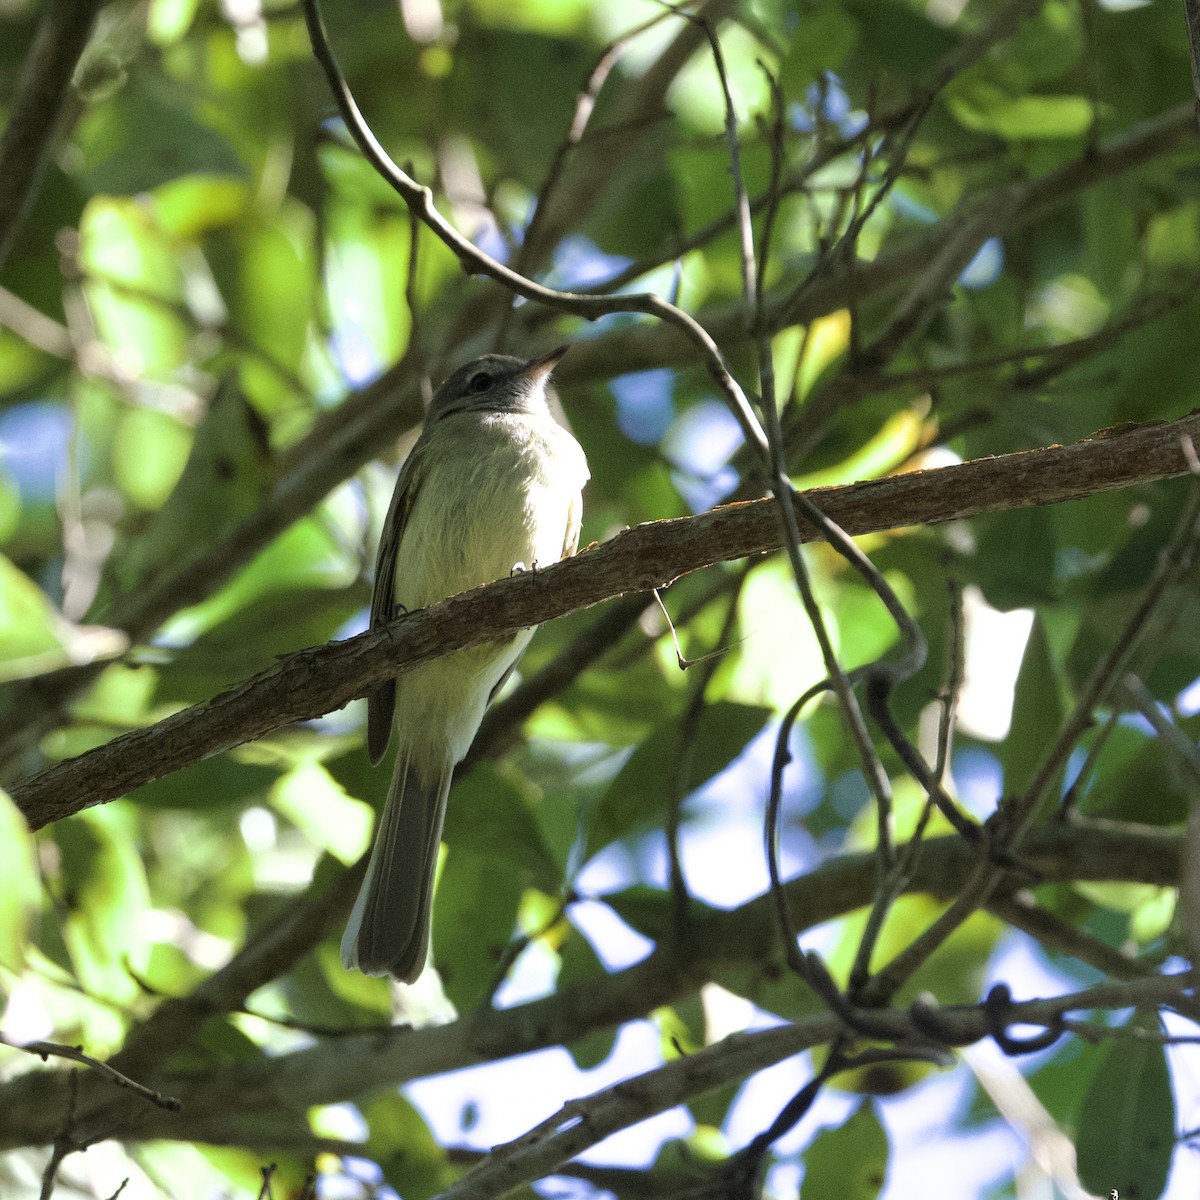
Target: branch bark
[[321, 679], [368, 420], [740, 944], [41, 94]]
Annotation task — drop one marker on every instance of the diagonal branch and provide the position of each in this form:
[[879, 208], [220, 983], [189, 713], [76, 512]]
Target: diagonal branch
[[41, 94], [311, 682], [737, 942], [341, 441]]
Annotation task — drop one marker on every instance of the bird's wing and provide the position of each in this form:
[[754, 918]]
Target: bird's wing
[[381, 702], [574, 521]]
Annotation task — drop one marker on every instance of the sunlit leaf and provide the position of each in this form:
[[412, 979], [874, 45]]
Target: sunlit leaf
[[988, 109], [310, 798], [22, 888], [105, 887], [149, 456]]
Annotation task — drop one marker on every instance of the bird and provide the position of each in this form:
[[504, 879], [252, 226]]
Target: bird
[[493, 485]]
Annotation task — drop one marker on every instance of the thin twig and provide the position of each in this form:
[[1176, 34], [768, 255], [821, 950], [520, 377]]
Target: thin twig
[[585, 106], [420, 199], [1182, 748], [1015, 819], [45, 1050], [65, 1142]]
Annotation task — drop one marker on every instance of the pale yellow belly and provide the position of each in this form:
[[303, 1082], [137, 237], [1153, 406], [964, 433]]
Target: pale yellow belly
[[483, 515]]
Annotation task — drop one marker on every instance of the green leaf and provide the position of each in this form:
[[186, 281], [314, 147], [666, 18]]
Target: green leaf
[[474, 918], [222, 782], [580, 966], [489, 816], [1126, 1132], [825, 36], [651, 911], [195, 204], [222, 480], [401, 1142], [848, 1161], [274, 296], [778, 656], [21, 893], [638, 796], [1014, 559], [106, 892], [316, 804], [1039, 709], [986, 108], [29, 626], [149, 455], [144, 136]]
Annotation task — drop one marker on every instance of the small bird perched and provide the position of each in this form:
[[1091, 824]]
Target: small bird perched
[[494, 484]]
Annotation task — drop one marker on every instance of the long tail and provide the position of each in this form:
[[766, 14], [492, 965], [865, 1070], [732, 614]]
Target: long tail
[[388, 931]]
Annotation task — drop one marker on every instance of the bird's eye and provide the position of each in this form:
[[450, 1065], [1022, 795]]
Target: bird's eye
[[479, 382]]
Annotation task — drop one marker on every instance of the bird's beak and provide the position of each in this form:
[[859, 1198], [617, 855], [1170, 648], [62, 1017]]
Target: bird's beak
[[539, 368]]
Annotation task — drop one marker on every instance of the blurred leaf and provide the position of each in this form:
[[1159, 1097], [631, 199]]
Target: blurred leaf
[[1014, 559], [308, 554], [638, 796], [277, 281], [192, 205], [826, 34], [897, 36], [29, 625], [778, 656], [169, 20], [144, 136], [1126, 1130], [1039, 710], [312, 800], [896, 441], [680, 1028], [254, 635], [580, 964], [223, 479], [104, 887], [21, 893], [134, 286], [489, 817], [401, 1142], [651, 911], [988, 109], [474, 917], [149, 455], [367, 252], [848, 1161]]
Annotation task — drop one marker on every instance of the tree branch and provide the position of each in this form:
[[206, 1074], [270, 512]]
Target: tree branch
[[722, 943], [318, 680], [367, 421], [42, 90]]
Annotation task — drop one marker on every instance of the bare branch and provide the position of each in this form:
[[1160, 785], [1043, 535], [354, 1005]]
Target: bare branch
[[475, 261], [318, 680], [744, 939], [44, 1050]]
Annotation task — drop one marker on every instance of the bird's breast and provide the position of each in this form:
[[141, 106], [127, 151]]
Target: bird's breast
[[500, 490]]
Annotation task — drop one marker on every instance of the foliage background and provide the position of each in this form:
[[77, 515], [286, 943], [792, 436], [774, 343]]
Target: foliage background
[[212, 353]]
